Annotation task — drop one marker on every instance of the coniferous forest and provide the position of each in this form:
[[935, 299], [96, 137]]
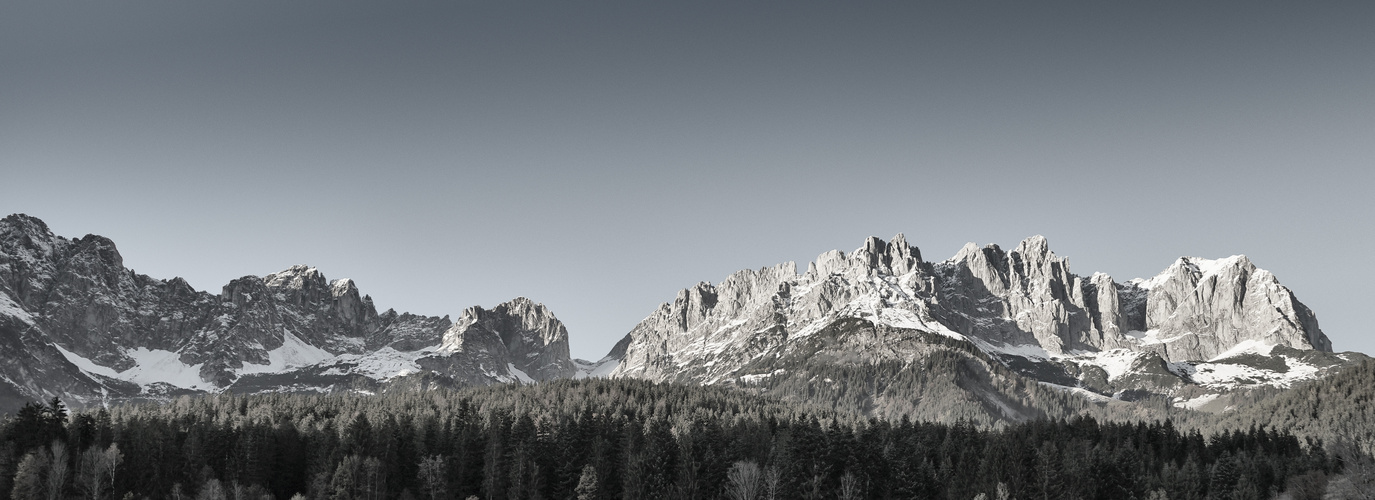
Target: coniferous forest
[[614, 439]]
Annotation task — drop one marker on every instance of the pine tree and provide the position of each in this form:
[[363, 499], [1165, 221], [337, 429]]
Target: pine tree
[[1223, 477], [587, 484]]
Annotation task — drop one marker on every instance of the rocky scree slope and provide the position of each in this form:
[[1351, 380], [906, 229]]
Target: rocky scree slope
[[76, 323], [1193, 334]]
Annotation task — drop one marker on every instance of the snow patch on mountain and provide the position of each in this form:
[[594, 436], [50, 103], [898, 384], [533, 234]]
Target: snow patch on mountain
[[1232, 374], [157, 365], [1250, 346], [1116, 362], [383, 364], [599, 369], [1029, 351], [1092, 396], [86, 365], [1196, 403], [518, 374], [294, 353], [1208, 267], [1149, 337], [151, 366]]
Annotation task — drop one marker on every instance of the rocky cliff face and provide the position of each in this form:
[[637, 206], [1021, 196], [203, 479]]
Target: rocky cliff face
[[515, 341], [1024, 307], [83, 325], [1205, 307]]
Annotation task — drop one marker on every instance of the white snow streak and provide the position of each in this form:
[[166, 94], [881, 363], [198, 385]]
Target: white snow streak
[[293, 353]]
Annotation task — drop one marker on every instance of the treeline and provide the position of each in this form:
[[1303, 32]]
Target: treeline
[[611, 439]]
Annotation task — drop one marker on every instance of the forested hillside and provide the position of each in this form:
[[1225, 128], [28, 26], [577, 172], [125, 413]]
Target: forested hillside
[[611, 439], [1337, 408]]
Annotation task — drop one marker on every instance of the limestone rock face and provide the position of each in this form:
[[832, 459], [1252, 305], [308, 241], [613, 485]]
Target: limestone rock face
[[734, 320], [1018, 303], [517, 339], [1209, 306]]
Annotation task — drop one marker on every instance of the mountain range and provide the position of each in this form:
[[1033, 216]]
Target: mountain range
[[988, 335]]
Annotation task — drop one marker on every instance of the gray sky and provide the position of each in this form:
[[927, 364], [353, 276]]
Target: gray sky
[[599, 156]]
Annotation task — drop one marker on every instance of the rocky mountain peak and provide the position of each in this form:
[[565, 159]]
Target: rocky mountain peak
[[1033, 259], [343, 286], [518, 339], [16, 227], [240, 291], [300, 284], [1211, 305], [987, 264], [1035, 245], [101, 248], [892, 257]]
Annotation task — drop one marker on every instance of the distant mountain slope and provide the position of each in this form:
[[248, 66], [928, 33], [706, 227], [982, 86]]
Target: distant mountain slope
[[1337, 407]]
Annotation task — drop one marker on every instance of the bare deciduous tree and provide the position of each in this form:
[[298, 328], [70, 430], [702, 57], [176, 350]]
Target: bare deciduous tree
[[1358, 472], [89, 476], [745, 481], [28, 478], [771, 480], [109, 465], [211, 490], [1309, 486], [850, 488], [96, 471], [431, 475], [374, 481], [57, 471]]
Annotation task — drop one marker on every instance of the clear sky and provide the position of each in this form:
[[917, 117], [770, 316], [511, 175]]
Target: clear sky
[[599, 156]]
